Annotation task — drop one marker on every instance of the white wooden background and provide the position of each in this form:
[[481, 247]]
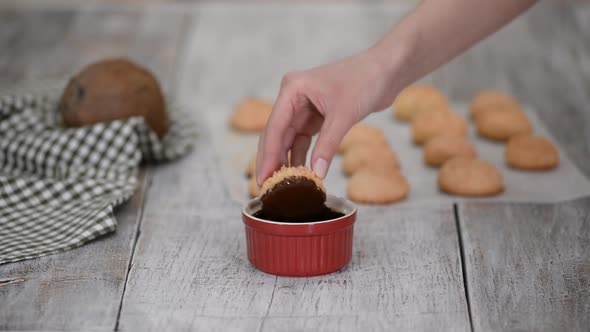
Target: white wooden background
[[177, 260]]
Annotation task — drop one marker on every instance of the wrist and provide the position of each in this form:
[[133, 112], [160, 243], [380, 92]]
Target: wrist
[[394, 55], [390, 66]]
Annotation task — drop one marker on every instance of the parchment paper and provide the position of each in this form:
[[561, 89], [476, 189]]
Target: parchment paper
[[566, 182]]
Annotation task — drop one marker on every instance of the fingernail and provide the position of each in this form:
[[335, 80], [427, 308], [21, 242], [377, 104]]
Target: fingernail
[[320, 167]]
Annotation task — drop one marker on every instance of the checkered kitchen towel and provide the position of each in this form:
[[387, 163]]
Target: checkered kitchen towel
[[58, 186]]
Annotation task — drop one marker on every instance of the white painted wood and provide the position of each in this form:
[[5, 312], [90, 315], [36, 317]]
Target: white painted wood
[[190, 269], [79, 289], [229, 35], [405, 275], [528, 265], [190, 263]]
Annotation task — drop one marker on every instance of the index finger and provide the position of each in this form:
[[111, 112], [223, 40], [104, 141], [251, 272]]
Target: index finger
[[270, 143]]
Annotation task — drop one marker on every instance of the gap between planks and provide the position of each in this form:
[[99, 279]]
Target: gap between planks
[[463, 267], [272, 296], [144, 192], [187, 25]]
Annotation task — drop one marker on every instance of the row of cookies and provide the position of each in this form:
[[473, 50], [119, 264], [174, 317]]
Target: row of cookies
[[373, 167], [497, 116], [444, 136]]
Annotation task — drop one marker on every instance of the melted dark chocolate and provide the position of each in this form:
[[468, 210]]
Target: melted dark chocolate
[[295, 199], [325, 214]]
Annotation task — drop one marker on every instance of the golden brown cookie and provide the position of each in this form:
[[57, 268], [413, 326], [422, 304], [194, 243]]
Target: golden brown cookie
[[493, 101], [371, 188], [251, 115], [444, 147], [114, 89], [416, 99], [501, 126], [292, 193], [428, 125], [470, 177], [531, 153], [251, 170], [372, 157], [364, 135], [253, 187]]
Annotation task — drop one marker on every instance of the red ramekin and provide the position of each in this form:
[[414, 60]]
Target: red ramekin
[[300, 249]]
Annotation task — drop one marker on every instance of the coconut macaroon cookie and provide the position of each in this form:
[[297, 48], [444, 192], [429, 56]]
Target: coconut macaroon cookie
[[253, 187], [470, 177], [362, 134], [501, 126], [293, 193], [373, 157], [531, 153], [428, 125], [491, 100], [416, 99], [251, 115], [368, 187], [444, 147]]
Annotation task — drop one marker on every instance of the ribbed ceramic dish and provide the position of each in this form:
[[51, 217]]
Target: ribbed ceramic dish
[[300, 249]]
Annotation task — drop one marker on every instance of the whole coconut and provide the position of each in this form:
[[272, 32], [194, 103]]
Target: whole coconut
[[114, 89]]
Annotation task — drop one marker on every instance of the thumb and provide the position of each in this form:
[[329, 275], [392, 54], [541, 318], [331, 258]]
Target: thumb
[[331, 133]]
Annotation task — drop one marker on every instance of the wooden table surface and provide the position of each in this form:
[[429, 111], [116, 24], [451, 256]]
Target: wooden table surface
[[178, 261]]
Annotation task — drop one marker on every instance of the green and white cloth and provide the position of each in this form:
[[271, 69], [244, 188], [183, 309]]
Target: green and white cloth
[[58, 186]]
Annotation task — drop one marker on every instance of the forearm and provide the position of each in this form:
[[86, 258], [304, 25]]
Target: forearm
[[438, 30]]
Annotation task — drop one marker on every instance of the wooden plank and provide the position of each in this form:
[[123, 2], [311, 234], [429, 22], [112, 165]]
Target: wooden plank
[[81, 288], [528, 265], [189, 266], [190, 269], [26, 38], [405, 275]]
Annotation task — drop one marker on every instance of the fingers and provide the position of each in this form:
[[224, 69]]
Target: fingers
[[288, 139], [332, 132], [259, 157], [271, 144], [299, 150]]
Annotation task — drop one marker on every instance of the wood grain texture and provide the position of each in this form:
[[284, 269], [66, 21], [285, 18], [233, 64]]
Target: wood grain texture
[[79, 289], [405, 275], [528, 265], [190, 270], [27, 36], [266, 43]]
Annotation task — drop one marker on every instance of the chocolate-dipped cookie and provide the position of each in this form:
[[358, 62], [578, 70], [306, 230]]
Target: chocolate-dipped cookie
[[293, 194]]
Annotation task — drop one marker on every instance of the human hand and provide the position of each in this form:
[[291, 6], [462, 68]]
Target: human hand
[[327, 100]]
